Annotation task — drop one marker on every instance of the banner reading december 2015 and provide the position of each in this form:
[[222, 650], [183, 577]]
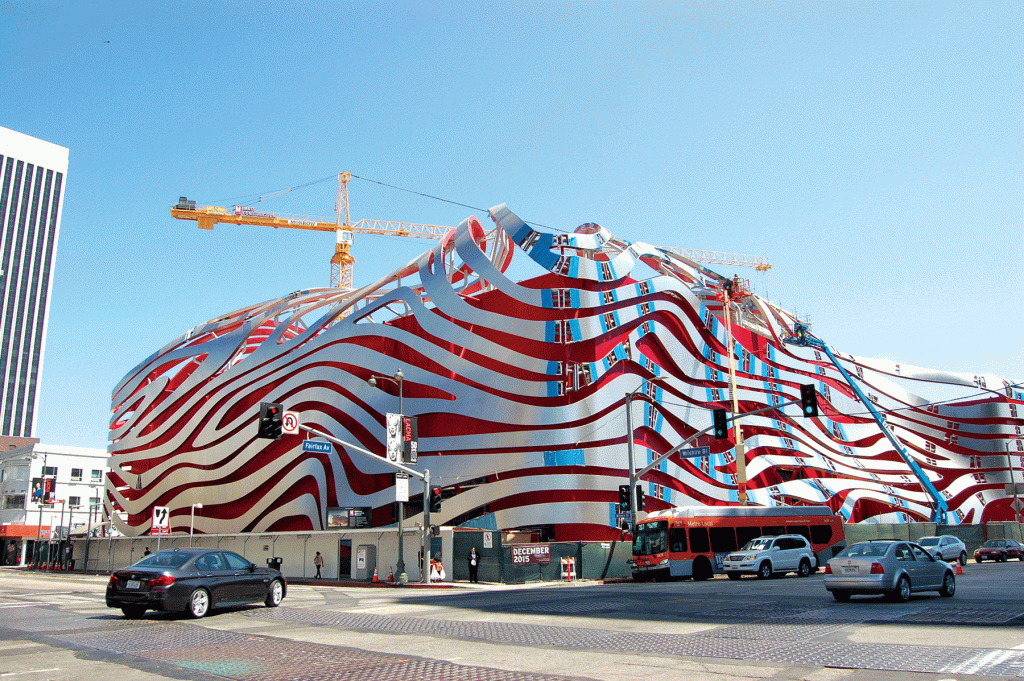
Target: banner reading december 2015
[[524, 554]]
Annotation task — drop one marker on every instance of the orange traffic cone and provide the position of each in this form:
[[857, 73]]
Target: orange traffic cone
[[375, 580], [391, 574], [959, 568]]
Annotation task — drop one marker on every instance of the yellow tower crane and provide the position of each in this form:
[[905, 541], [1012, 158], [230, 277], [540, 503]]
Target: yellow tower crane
[[342, 261]]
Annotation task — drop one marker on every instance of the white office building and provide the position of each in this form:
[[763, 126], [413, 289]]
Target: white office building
[[32, 180], [47, 493]]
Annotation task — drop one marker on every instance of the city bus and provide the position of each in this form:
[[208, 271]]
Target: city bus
[[692, 541]]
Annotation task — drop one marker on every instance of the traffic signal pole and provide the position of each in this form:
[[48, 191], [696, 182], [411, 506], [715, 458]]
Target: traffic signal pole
[[424, 476]]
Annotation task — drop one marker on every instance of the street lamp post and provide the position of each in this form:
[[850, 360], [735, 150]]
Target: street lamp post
[[398, 379], [192, 521]]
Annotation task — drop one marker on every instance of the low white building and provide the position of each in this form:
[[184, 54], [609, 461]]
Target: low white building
[[47, 492]]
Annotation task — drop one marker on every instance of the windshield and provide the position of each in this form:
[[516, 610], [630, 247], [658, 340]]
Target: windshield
[[758, 544], [650, 538], [994, 543], [164, 559], [865, 550], [929, 541]]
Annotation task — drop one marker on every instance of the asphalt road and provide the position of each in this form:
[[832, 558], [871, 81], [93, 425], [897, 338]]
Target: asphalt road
[[55, 626]]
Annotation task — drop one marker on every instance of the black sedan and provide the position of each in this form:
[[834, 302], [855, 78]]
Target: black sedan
[[192, 580]]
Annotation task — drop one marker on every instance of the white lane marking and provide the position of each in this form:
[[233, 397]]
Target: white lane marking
[[31, 671]]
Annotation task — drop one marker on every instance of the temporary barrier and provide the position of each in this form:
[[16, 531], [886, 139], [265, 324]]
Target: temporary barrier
[[569, 569]]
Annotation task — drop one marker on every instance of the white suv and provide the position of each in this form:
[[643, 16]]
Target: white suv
[[947, 548], [766, 556]]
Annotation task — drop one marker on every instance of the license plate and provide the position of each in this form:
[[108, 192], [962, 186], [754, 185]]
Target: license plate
[[133, 584], [850, 570]]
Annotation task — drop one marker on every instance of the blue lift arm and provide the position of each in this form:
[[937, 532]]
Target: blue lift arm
[[939, 506]]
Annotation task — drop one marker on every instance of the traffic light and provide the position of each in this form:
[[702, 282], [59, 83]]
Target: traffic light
[[639, 497], [721, 424], [809, 400], [623, 497], [270, 420], [435, 500]]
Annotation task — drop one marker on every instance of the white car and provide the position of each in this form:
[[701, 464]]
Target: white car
[[946, 548], [770, 555]]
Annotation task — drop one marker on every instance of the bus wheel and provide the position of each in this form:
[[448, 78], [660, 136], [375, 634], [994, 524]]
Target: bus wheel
[[701, 569]]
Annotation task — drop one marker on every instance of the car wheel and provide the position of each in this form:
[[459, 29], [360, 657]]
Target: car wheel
[[198, 603], [805, 568], [275, 595], [963, 558], [764, 571], [901, 593], [1002, 558], [734, 575], [133, 612], [948, 585], [841, 596]]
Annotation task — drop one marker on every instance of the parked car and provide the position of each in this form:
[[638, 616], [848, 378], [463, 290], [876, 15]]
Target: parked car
[[999, 550], [768, 555], [947, 548], [192, 580], [890, 567]]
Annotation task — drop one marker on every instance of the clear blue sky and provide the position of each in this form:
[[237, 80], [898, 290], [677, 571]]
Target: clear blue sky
[[871, 151]]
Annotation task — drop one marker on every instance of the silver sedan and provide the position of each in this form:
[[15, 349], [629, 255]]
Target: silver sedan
[[890, 567]]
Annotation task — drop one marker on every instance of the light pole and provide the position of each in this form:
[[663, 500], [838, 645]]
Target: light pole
[[629, 448], [398, 379], [192, 521]]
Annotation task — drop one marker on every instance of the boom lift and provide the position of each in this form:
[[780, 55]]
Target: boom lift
[[342, 261], [939, 507]]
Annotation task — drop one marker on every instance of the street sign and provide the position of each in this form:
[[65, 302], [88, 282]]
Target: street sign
[[161, 520], [401, 487], [290, 423], [317, 446], [694, 452]]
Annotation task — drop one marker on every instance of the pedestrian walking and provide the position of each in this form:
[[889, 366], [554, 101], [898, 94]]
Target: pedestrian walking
[[474, 565], [318, 561]]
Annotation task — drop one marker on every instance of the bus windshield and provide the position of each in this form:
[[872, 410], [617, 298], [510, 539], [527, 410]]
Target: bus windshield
[[650, 538]]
